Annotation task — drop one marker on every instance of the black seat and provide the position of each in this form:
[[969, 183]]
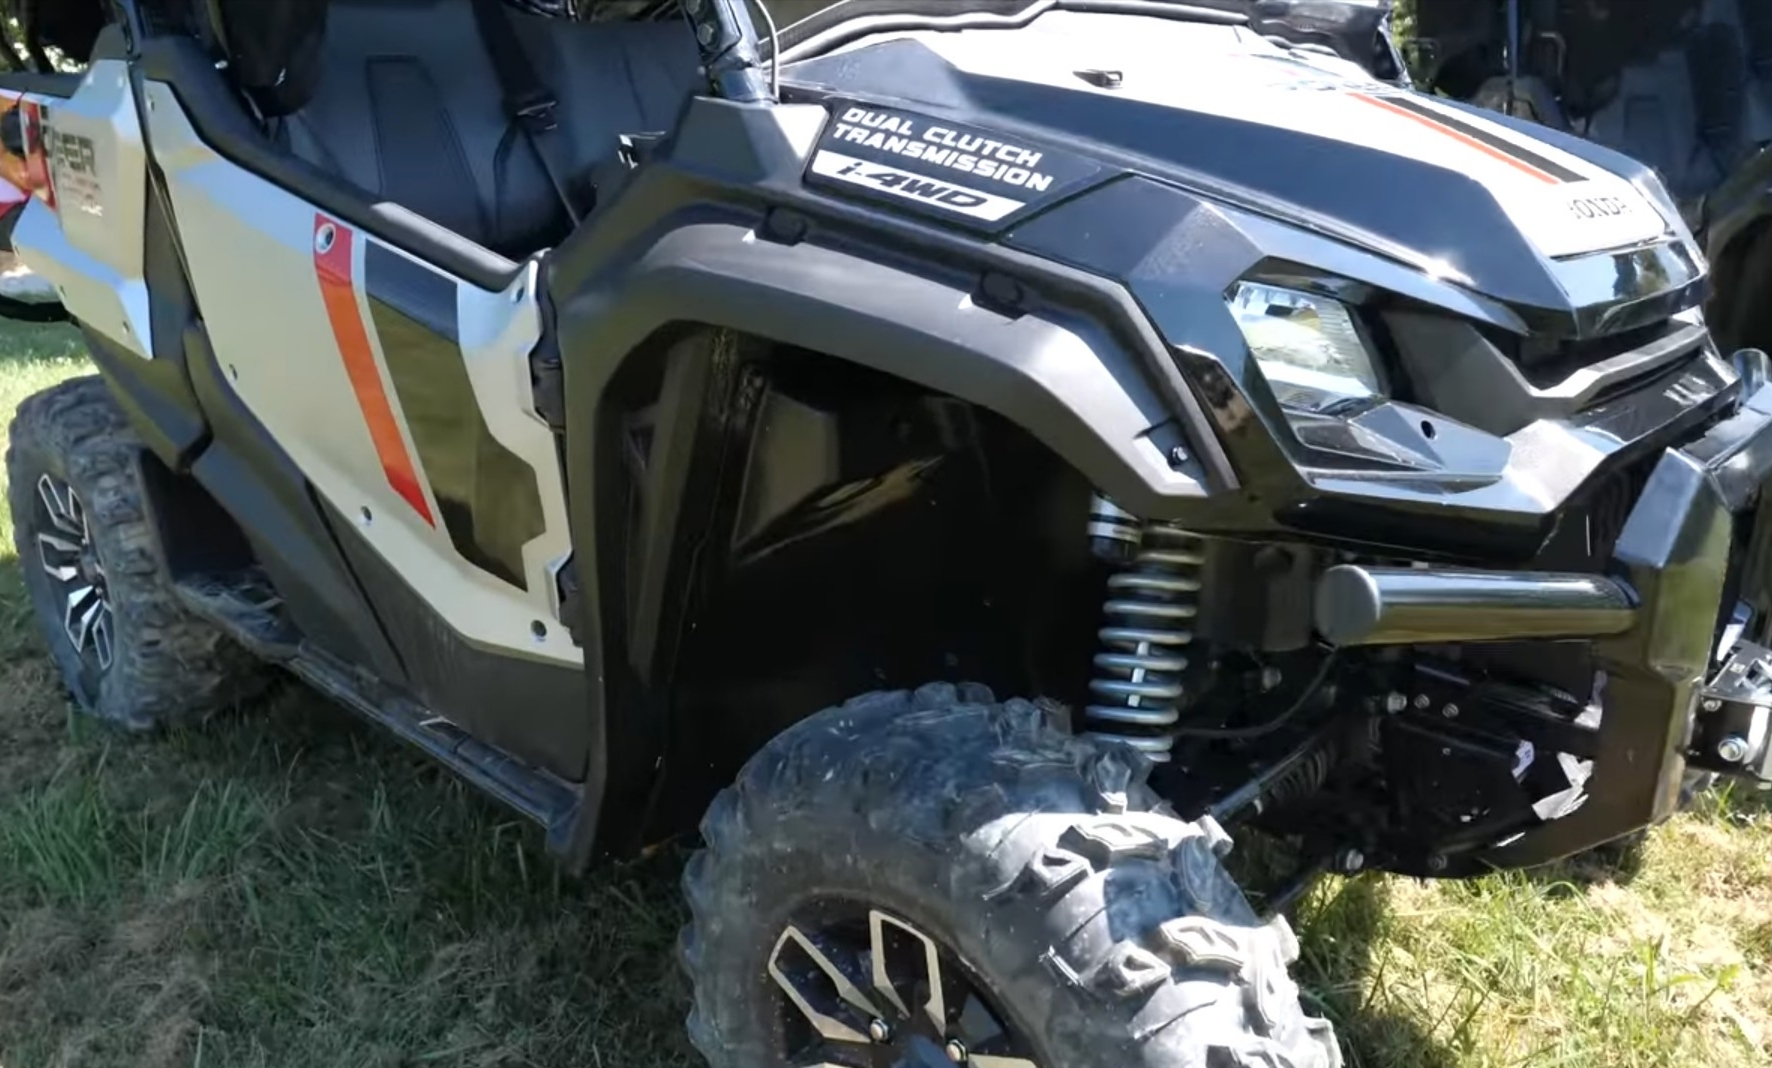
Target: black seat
[[407, 106]]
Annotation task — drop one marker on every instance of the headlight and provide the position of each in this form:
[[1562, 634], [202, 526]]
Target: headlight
[[1309, 348]]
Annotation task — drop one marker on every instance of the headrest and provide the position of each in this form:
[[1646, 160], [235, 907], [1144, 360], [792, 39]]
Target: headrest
[[272, 48], [69, 25]]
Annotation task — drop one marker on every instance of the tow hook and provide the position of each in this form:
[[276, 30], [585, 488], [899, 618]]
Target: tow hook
[[1733, 728]]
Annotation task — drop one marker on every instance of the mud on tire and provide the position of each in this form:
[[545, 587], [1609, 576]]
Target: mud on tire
[[1101, 924], [165, 665]]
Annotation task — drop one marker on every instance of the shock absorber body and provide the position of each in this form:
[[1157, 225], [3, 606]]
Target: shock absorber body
[[1139, 685]]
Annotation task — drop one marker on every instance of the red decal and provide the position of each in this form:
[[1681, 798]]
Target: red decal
[[332, 263], [1464, 139]]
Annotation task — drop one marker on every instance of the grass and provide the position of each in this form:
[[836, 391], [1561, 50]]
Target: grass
[[287, 888]]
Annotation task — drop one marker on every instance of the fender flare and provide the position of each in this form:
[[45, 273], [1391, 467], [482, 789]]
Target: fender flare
[[1060, 377], [1734, 219], [1058, 374]]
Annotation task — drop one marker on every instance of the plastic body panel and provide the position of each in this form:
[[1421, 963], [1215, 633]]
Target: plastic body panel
[[719, 231], [208, 371], [92, 249]]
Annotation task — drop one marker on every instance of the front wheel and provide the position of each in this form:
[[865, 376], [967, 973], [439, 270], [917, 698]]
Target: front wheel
[[936, 878]]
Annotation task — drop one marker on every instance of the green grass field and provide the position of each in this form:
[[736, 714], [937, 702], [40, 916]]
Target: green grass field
[[286, 888]]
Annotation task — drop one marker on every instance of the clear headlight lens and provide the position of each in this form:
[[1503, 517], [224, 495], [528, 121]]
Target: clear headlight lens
[[1308, 347]]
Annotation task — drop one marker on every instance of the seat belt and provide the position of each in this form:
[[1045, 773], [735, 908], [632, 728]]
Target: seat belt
[[528, 103]]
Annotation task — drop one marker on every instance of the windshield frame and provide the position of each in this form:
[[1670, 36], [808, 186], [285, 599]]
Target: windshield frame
[[733, 52], [846, 20]]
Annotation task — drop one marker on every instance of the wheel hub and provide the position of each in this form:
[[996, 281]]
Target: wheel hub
[[864, 987], [66, 552]]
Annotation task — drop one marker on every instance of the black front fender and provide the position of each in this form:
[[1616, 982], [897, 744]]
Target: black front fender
[[1057, 375], [1052, 371]]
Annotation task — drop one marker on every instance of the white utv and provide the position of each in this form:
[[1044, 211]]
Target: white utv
[[1165, 430]]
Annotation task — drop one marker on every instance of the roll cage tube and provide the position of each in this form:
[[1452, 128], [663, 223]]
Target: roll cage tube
[[728, 41]]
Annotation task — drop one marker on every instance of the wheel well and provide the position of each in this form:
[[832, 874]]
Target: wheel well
[[193, 533], [1734, 274], [843, 530]]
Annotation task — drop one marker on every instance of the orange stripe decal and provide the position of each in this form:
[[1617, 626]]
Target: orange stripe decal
[[332, 264], [1464, 139]]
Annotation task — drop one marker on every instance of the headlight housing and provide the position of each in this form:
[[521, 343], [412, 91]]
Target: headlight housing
[[1310, 348]]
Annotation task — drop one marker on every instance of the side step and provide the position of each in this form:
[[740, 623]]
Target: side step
[[248, 610], [244, 605]]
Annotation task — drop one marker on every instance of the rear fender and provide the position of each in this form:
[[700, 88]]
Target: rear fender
[[87, 237], [99, 236]]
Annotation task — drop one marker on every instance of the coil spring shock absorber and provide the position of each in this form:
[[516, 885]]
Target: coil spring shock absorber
[[1148, 627]]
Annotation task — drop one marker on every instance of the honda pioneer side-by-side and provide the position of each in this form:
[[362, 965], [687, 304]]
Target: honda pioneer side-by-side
[[970, 455]]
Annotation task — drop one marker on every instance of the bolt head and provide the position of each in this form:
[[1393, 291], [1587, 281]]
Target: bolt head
[[1450, 711], [1271, 677], [880, 1031], [1437, 862], [1422, 700], [1178, 456], [1352, 860], [1711, 704], [1733, 749], [956, 1051], [1395, 702]]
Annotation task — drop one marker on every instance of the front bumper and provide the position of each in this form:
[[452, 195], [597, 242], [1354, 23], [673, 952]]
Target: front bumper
[[1695, 539]]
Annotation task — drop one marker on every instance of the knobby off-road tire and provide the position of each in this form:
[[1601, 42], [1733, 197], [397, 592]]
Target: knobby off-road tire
[[1099, 924], [165, 665]]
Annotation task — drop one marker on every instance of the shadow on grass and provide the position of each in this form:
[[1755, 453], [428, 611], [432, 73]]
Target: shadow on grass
[[1342, 932], [28, 343], [1619, 862]]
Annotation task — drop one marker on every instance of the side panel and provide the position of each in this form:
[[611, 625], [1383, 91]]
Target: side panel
[[92, 248], [402, 395]]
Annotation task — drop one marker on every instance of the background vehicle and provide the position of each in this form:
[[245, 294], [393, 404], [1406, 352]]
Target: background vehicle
[[1683, 85], [590, 401]]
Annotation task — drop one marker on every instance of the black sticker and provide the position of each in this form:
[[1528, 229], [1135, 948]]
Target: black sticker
[[941, 166]]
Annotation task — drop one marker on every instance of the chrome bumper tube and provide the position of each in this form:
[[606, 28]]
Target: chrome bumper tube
[[1409, 606]]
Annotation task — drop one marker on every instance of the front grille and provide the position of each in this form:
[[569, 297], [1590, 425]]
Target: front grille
[[1591, 522], [1547, 362]]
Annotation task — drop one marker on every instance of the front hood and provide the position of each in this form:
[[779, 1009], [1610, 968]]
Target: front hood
[[1219, 110]]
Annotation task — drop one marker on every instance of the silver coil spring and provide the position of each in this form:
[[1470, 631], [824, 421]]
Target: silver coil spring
[[1149, 616]]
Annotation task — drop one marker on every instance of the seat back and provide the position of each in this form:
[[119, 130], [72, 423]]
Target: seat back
[[408, 107], [272, 48]]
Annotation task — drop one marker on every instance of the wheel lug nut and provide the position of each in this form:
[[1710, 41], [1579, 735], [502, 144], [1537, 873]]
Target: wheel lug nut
[[880, 1031], [956, 1051]]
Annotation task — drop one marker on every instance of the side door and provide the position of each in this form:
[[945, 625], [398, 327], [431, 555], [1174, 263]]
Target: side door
[[401, 393]]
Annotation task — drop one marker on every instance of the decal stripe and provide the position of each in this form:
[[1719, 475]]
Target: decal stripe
[[488, 496], [1489, 137], [333, 267], [1516, 156]]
